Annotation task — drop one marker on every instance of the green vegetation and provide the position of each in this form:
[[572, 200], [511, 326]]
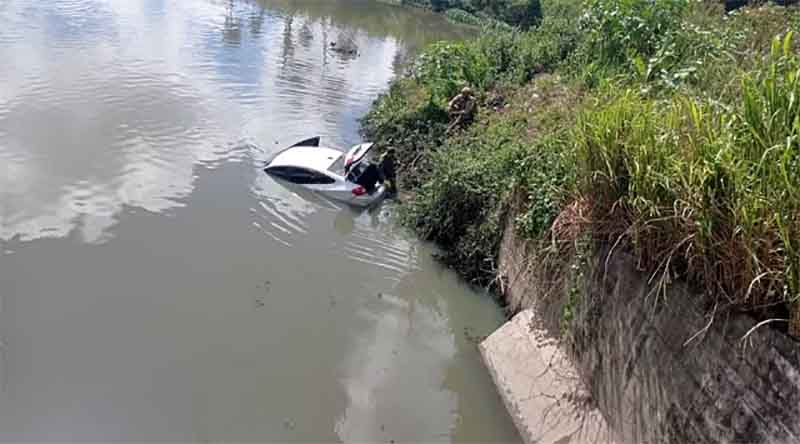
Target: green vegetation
[[494, 13], [674, 127]]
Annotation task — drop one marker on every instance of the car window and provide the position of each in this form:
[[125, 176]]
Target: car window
[[320, 179], [306, 177], [277, 171], [300, 175], [338, 166]]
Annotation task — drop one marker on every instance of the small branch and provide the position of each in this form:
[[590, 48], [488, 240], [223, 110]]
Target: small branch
[[704, 329], [759, 325]]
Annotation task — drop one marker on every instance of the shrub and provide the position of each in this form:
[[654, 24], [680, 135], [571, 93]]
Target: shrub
[[544, 49], [456, 15], [523, 13], [463, 200], [459, 205], [406, 118], [444, 68], [619, 31], [545, 173]]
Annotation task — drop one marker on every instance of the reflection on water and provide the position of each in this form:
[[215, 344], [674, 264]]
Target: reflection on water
[[155, 285], [114, 103]]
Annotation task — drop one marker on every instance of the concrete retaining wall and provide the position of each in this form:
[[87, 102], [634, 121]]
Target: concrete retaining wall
[[539, 385], [656, 367], [662, 370]]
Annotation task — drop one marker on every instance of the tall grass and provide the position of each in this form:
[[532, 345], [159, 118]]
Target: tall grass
[[703, 191]]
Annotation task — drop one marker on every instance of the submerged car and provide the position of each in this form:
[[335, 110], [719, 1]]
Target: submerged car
[[348, 177]]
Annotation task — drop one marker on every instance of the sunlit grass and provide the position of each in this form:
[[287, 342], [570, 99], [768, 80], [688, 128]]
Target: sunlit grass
[[715, 192], [679, 133]]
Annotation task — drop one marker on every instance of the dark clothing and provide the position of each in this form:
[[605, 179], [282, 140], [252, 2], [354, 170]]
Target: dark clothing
[[369, 178], [388, 173], [387, 167]]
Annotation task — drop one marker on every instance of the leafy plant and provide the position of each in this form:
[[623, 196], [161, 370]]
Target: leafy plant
[[621, 30]]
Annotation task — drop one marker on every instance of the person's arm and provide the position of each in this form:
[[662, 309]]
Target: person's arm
[[452, 104]]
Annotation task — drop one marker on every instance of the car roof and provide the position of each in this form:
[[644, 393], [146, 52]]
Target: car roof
[[312, 157]]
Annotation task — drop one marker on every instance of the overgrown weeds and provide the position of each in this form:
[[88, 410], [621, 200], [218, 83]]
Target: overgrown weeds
[[701, 191], [678, 125]]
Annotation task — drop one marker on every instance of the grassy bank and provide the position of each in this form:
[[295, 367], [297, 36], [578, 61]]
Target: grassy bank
[[503, 14], [672, 127]]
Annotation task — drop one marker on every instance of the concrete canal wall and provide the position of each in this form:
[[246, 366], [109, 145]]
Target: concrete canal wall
[[653, 365], [539, 385]]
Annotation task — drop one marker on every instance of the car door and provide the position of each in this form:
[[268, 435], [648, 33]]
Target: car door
[[357, 154]]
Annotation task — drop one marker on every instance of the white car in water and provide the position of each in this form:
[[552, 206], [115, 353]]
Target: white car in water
[[347, 177]]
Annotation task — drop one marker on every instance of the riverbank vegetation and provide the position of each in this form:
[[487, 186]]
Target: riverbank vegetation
[[504, 14], [669, 129]]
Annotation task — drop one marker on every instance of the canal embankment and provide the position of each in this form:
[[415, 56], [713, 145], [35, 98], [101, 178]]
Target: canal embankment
[[633, 368], [629, 178]]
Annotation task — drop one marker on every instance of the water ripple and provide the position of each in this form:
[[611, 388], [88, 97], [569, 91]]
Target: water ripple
[[279, 221], [285, 216], [380, 250]]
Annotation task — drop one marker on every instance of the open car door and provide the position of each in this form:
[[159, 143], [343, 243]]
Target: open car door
[[357, 154]]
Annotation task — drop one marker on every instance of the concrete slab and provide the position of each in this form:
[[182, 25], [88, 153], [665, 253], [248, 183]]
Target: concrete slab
[[540, 386]]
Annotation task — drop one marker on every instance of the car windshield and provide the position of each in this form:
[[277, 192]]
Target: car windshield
[[338, 166]]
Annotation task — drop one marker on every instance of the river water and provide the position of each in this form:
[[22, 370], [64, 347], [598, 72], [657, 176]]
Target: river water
[[155, 285]]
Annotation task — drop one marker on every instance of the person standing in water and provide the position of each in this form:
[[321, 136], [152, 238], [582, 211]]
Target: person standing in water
[[388, 174]]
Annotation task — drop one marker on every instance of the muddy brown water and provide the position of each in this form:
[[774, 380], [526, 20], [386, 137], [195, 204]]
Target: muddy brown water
[[155, 285]]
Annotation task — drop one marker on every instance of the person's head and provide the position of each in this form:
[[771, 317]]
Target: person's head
[[466, 91], [389, 152]]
